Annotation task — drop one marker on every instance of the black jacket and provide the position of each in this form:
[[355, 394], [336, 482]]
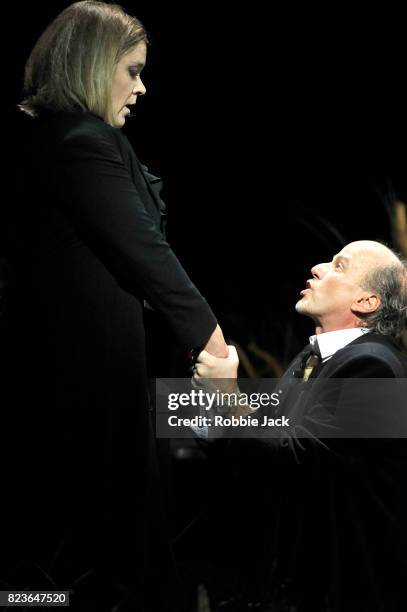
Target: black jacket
[[85, 201], [342, 510], [83, 233]]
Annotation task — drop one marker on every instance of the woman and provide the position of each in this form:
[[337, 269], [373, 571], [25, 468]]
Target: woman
[[87, 245]]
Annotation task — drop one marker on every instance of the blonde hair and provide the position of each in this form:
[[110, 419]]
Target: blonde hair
[[71, 65]]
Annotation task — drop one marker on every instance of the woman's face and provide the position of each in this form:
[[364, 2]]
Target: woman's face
[[127, 83]]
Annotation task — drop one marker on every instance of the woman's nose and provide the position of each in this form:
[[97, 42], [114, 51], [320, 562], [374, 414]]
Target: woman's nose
[[140, 88]]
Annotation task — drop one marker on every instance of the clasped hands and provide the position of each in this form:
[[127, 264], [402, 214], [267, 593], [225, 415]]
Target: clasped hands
[[217, 372]]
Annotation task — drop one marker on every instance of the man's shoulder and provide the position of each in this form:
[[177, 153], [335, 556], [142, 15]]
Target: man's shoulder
[[371, 355]]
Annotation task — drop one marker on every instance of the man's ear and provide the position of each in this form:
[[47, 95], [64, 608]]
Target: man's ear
[[366, 303]]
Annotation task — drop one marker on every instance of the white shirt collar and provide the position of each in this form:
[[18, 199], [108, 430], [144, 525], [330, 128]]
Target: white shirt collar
[[327, 343]]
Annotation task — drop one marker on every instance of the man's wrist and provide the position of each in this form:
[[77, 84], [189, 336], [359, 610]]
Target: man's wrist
[[236, 403]]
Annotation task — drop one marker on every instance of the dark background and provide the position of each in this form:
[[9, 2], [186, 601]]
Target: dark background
[[279, 132]]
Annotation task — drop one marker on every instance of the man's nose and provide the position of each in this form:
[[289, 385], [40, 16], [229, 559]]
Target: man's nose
[[319, 270]]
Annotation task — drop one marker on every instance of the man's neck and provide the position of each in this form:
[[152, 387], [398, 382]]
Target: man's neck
[[322, 328]]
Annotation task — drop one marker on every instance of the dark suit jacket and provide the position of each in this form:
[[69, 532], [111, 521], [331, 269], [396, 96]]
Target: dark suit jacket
[[342, 511], [84, 236]]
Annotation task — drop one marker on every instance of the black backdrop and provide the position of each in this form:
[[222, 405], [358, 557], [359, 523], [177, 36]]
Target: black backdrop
[[278, 131]]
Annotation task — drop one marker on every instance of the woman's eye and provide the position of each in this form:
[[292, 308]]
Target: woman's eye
[[133, 73]]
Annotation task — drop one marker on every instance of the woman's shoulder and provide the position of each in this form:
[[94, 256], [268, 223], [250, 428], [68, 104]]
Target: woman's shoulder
[[61, 136], [62, 126], [68, 125]]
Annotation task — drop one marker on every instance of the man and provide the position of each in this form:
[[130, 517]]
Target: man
[[339, 505]]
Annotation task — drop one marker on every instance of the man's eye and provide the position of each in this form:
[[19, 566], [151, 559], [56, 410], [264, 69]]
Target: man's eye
[[338, 265], [133, 73]]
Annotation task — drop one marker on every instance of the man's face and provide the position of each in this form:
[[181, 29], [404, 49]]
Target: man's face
[[334, 287], [127, 83]]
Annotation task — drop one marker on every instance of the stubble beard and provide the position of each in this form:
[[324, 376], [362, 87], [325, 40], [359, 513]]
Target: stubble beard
[[301, 307]]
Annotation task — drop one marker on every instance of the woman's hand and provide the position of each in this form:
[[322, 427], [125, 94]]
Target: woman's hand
[[208, 366], [217, 373], [216, 344]]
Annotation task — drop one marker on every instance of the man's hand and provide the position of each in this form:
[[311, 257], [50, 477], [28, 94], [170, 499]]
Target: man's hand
[[216, 344]]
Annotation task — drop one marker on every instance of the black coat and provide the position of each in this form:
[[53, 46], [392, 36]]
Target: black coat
[[341, 523], [84, 233]]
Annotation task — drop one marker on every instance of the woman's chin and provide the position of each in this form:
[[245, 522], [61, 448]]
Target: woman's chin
[[119, 120]]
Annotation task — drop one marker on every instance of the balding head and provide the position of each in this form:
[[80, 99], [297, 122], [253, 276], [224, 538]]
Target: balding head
[[387, 277], [363, 283], [368, 254]]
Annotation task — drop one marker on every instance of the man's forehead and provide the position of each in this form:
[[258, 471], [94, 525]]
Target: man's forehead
[[366, 251], [351, 253]]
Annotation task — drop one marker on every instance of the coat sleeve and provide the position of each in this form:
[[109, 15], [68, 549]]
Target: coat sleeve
[[99, 196]]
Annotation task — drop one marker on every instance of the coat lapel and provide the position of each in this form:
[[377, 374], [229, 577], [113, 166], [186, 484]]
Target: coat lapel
[[148, 185], [154, 184]]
